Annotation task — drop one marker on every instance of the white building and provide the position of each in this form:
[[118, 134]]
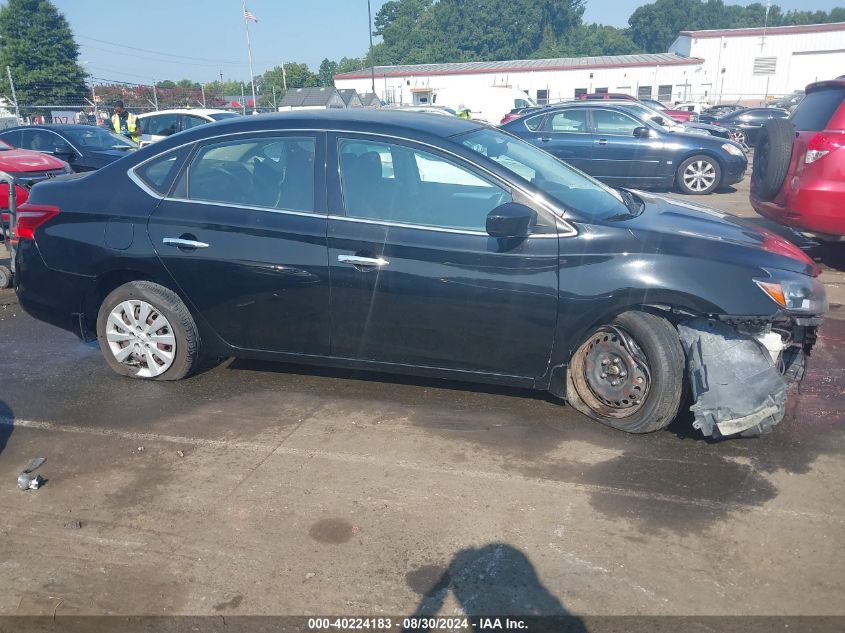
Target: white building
[[728, 65], [749, 64], [664, 76]]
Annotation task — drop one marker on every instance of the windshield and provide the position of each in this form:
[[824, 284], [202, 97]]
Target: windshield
[[219, 116], [97, 138], [572, 188], [650, 116]]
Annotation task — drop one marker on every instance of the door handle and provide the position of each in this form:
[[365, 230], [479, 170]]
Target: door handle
[[183, 243], [602, 141], [355, 260], [544, 139]]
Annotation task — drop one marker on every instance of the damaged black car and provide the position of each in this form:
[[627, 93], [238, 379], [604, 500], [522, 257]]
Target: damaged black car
[[410, 243]]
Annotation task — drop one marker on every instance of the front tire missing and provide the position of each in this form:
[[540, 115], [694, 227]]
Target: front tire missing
[[651, 358]]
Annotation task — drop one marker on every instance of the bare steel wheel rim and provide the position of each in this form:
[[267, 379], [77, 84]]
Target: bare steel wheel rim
[[139, 336], [611, 373], [699, 175]]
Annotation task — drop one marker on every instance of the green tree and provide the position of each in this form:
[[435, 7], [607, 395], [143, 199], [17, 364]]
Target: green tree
[[37, 44], [328, 69], [166, 84]]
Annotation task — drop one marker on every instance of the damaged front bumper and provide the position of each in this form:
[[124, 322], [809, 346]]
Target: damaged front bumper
[[740, 370]]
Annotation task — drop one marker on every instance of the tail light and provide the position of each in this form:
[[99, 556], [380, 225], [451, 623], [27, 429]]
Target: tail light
[[823, 144], [29, 217]]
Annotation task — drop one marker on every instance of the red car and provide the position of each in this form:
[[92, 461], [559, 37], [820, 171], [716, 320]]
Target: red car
[[28, 167], [798, 176]]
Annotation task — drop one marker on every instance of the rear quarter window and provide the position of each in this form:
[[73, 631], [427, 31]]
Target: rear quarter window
[[814, 113], [159, 173]]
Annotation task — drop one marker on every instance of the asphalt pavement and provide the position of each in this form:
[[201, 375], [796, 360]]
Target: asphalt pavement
[[259, 488]]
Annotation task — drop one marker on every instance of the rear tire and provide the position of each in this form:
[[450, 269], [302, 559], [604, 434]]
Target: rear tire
[[656, 346], [5, 277], [699, 175], [146, 331], [771, 158]]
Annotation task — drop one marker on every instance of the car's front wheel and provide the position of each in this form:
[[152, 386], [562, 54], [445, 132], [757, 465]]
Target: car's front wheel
[[699, 175], [146, 331], [629, 373]]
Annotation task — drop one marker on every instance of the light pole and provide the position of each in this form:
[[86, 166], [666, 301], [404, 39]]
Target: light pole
[[372, 61]]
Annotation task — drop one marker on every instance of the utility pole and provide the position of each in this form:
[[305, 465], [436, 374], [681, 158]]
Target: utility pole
[[14, 96], [155, 95], [243, 98], [284, 78], [202, 87], [372, 61], [274, 98]]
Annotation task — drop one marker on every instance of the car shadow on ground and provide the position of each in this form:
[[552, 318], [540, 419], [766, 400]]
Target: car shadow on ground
[[491, 581]]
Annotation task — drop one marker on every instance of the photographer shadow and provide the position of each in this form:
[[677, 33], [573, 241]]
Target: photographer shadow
[[494, 581]]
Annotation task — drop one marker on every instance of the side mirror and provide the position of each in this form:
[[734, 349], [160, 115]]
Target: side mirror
[[641, 131], [511, 220]]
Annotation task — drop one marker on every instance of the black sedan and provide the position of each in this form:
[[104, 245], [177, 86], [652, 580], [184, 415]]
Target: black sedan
[[622, 147], [419, 244], [745, 124], [83, 147]]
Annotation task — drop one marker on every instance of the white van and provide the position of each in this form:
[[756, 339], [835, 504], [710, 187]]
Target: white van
[[489, 104]]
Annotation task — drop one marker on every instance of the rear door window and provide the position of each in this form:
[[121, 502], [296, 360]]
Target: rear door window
[[816, 110], [269, 172], [609, 123]]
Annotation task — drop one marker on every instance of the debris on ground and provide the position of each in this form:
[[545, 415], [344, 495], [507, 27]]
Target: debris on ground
[[73, 525], [28, 481], [140, 449], [180, 453]]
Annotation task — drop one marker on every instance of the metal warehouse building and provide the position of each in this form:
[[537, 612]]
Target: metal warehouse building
[[758, 62], [727, 65]]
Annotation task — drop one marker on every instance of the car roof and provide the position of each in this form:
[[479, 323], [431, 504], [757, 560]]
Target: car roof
[[200, 111], [55, 127], [353, 119]]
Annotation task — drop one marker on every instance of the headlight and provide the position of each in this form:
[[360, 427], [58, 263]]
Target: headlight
[[796, 293], [732, 149]]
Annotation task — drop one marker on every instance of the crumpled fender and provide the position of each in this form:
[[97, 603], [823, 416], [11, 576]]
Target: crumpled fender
[[735, 384]]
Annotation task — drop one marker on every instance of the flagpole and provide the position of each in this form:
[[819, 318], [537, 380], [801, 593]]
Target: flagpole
[[249, 51]]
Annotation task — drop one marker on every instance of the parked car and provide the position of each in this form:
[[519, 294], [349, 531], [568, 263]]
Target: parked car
[[797, 178], [83, 147], [681, 116], [424, 109], [787, 102], [518, 112], [27, 168], [424, 245], [624, 148], [709, 115], [745, 124], [158, 125]]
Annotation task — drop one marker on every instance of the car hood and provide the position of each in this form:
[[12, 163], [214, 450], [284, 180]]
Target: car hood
[[678, 225], [22, 160]]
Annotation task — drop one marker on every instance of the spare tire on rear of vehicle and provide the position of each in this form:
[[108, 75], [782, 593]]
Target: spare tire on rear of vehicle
[[771, 158]]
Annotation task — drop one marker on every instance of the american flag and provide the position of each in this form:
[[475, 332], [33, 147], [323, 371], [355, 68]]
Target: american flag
[[249, 16]]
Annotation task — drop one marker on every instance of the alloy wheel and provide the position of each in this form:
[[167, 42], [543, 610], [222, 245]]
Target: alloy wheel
[[140, 336], [700, 175]]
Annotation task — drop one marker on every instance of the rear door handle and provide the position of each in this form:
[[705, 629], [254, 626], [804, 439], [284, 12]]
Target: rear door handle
[[544, 139], [183, 243], [602, 141], [367, 262]]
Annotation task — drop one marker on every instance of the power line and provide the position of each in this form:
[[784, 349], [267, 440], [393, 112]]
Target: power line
[[147, 50]]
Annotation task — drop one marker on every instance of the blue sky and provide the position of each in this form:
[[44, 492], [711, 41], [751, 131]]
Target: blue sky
[[198, 40]]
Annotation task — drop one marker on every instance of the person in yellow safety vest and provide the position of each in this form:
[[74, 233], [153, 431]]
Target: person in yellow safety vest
[[126, 123], [463, 112]]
